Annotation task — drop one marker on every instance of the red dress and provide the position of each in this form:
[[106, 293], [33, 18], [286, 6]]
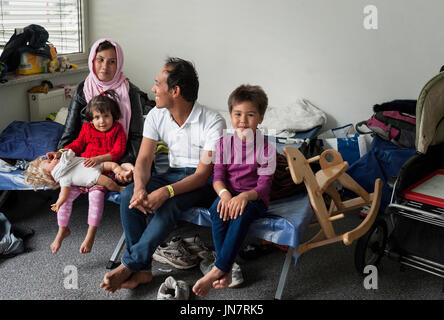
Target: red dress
[[92, 143]]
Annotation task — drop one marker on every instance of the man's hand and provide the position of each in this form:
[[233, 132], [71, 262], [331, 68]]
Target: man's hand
[[157, 198], [139, 200]]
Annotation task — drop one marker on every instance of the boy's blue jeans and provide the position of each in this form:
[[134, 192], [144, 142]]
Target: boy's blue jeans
[[142, 237], [229, 235]]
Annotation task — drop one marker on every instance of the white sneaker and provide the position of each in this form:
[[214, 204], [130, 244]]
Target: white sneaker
[[175, 254], [237, 278], [173, 290]]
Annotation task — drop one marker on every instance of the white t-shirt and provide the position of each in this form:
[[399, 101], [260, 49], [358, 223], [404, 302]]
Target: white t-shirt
[[201, 131]]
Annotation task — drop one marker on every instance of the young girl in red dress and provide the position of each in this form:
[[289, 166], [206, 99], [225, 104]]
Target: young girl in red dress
[[101, 139]]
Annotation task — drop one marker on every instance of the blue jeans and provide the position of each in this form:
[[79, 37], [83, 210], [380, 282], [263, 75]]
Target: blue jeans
[[143, 237], [228, 236]]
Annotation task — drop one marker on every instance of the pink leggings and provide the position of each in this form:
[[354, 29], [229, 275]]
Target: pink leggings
[[96, 198]]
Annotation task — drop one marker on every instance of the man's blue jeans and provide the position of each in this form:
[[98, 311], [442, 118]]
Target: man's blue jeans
[[142, 237], [229, 235]]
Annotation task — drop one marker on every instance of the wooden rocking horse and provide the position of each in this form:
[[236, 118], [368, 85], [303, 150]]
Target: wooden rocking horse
[[332, 171]]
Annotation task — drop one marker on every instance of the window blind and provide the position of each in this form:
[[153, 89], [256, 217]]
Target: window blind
[[61, 18]]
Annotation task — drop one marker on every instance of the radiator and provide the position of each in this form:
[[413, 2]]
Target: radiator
[[42, 104]]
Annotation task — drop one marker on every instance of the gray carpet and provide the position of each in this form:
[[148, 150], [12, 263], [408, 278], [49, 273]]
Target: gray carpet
[[323, 273]]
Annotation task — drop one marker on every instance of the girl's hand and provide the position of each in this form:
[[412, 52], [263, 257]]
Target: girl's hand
[[92, 162], [237, 205], [126, 176], [222, 206]]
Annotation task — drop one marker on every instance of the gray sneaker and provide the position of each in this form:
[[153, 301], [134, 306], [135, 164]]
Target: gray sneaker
[[173, 290], [175, 254], [237, 279], [196, 246]]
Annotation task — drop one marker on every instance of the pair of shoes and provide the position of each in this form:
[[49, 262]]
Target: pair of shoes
[[237, 279], [173, 290], [196, 246], [175, 254]]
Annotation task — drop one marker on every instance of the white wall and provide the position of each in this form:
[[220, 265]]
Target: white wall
[[317, 49], [14, 97]]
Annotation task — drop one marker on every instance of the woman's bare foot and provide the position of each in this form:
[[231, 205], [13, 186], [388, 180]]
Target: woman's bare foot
[[113, 280], [138, 277], [61, 234], [223, 282], [89, 240], [204, 284]]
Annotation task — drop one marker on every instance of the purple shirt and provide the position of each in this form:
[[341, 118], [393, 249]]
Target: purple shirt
[[244, 166]]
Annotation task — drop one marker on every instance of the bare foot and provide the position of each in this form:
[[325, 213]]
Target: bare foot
[[61, 234], [86, 246], [204, 284], [89, 240], [223, 282], [113, 280], [138, 277]]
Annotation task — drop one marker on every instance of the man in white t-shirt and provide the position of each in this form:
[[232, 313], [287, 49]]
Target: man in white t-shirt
[[191, 131]]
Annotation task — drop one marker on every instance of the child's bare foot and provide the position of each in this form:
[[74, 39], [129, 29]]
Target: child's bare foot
[[223, 282], [61, 234], [114, 279], [87, 244], [204, 284], [138, 277]]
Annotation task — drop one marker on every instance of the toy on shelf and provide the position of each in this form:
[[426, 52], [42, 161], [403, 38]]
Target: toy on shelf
[[64, 64]]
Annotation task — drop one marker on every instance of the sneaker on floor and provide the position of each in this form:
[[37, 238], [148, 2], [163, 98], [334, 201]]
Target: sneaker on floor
[[196, 246], [237, 278], [173, 290], [174, 253]]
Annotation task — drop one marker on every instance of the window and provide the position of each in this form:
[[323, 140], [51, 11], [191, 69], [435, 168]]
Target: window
[[61, 18]]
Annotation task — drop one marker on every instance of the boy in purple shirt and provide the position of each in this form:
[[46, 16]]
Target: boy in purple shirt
[[243, 173]]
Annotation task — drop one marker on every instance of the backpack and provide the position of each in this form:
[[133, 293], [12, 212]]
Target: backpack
[[31, 39], [393, 121]]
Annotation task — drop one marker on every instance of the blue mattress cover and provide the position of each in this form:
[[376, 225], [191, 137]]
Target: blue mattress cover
[[285, 223]]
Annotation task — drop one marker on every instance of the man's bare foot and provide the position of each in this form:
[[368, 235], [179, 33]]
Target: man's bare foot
[[204, 284], [138, 277], [113, 280], [223, 282], [61, 234], [87, 244]]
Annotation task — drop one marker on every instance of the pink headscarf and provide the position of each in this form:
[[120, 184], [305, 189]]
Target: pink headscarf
[[93, 86]]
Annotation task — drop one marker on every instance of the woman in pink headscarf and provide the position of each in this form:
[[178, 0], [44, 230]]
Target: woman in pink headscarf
[[105, 65]]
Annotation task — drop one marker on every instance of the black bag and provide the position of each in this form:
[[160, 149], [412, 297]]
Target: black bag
[[32, 39], [393, 121]]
